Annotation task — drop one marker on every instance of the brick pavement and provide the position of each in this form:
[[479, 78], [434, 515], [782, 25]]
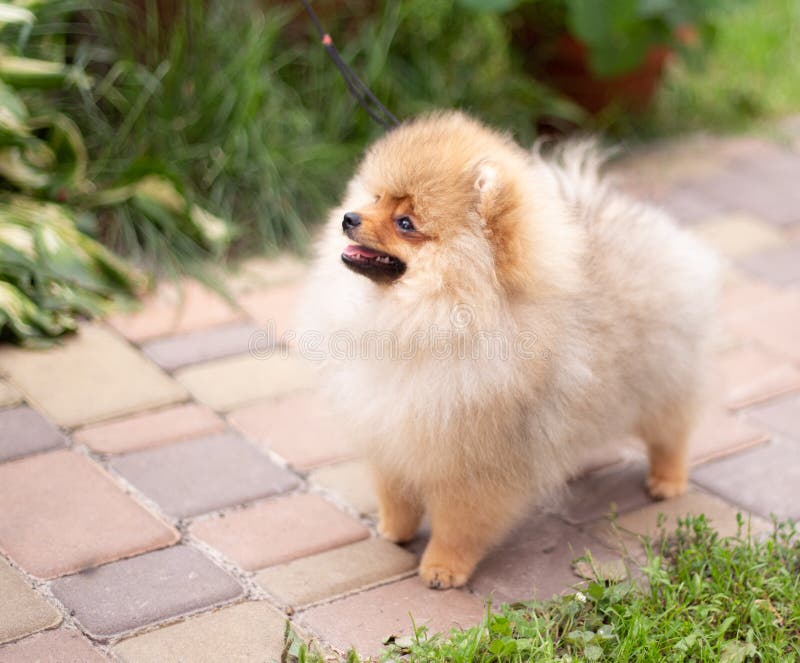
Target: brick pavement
[[165, 496]]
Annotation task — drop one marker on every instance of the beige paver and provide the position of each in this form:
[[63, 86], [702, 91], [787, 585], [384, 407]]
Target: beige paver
[[63, 513], [335, 572], [175, 308], [9, 394], [260, 273], [298, 427], [736, 235], [229, 383], [350, 481], [649, 520], [279, 530], [151, 429], [92, 376], [22, 610], [60, 646], [250, 632], [366, 619]]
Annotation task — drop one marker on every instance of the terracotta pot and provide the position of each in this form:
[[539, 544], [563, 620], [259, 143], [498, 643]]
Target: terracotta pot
[[567, 69]]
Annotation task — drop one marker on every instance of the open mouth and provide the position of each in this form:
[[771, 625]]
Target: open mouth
[[371, 263]]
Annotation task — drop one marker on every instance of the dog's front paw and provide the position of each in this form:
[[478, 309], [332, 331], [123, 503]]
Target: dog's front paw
[[661, 488], [440, 577]]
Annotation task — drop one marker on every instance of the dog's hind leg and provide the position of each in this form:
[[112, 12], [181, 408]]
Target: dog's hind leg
[[666, 436]]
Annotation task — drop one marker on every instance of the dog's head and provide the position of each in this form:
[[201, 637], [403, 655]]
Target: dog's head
[[436, 197]]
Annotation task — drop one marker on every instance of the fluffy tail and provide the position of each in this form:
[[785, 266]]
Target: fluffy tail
[[577, 165]]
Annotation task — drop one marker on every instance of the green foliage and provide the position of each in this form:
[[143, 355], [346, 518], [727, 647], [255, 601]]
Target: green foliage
[[52, 269], [702, 598]]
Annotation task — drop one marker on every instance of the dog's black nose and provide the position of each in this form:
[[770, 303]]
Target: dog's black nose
[[351, 220]]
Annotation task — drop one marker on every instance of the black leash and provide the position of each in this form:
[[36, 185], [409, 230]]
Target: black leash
[[361, 93]]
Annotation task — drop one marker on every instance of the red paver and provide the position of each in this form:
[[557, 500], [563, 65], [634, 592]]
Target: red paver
[[299, 428], [535, 561], [752, 375], [175, 309], [24, 431], [197, 476], [773, 322], [62, 513], [279, 530], [151, 429], [720, 434], [765, 480], [274, 308], [364, 621], [132, 593], [61, 646], [619, 488]]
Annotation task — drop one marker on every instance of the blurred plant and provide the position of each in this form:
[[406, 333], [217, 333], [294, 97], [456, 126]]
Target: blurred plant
[[244, 103], [51, 268], [617, 33]]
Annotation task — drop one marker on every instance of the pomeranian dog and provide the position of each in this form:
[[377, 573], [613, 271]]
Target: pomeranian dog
[[491, 315]]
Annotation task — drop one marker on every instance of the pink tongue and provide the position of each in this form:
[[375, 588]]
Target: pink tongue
[[354, 250]]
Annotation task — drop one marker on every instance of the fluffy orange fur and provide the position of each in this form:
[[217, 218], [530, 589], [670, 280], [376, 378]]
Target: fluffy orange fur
[[613, 299]]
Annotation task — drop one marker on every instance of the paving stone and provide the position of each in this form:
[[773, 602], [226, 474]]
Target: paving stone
[[365, 620], [175, 308], [275, 309], [351, 481], [279, 530], [9, 394], [773, 322], [197, 476], [299, 428], [720, 433], [782, 416], [752, 375], [535, 561], [175, 352], [739, 189], [779, 266], [765, 480], [61, 646], [689, 206], [250, 632], [738, 235], [225, 384], [651, 519], [742, 293], [91, 376], [259, 273], [126, 595], [24, 431], [22, 610], [151, 429], [339, 571], [63, 513], [619, 489]]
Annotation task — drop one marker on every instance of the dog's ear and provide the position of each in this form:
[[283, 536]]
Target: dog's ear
[[491, 187]]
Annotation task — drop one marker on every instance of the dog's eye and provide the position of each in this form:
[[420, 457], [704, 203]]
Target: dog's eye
[[405, 224]]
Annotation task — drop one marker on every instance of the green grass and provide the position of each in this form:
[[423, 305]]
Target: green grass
[[751, 72], [699, 597]]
